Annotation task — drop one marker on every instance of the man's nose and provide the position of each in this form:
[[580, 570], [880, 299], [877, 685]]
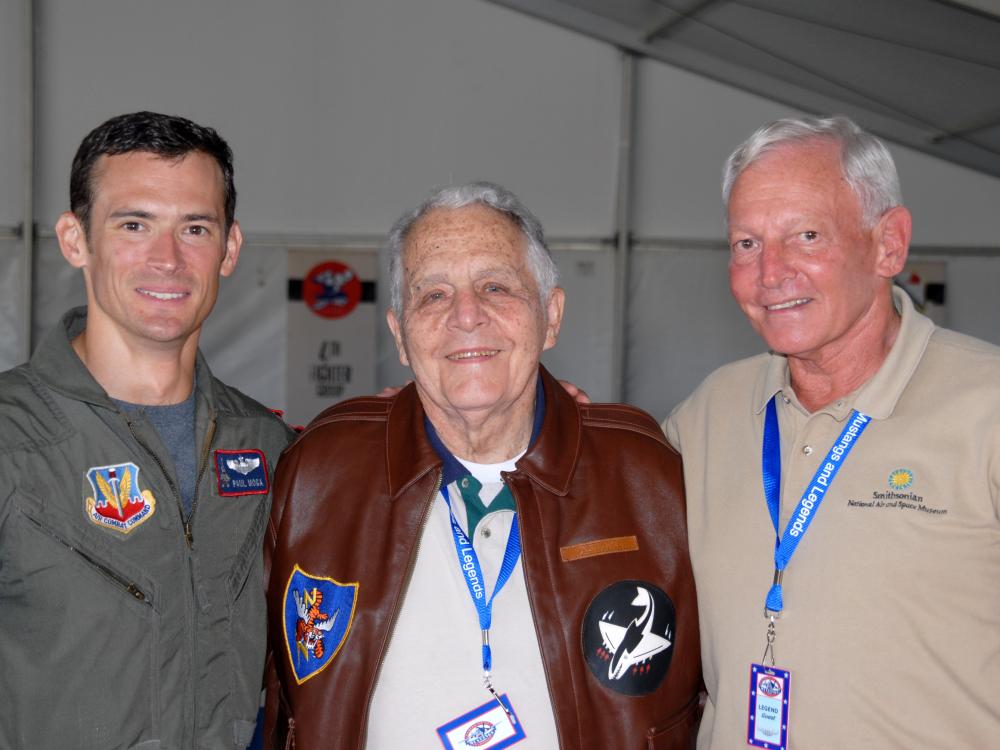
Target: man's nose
[[775, 266], [166, 254], [468, 312]]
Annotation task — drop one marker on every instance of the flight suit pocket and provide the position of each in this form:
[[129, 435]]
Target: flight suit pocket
[[90, 620]]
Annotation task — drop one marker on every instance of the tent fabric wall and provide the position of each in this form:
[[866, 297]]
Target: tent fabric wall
[[342, 115], [11, 302]]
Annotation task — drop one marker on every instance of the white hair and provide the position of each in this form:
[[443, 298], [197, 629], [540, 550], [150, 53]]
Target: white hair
[[866, 162], [539, 259]]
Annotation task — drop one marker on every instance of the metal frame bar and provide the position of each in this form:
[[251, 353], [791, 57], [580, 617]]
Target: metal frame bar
[[623, 225], [28, 217]]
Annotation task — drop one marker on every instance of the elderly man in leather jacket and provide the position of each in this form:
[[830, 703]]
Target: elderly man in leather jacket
[[479, 561]]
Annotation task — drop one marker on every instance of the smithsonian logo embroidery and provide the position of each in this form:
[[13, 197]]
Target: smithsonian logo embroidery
[[900, 479], [317, 617], [902, 493], [118, 502]]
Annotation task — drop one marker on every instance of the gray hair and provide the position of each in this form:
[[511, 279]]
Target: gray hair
[[539, 259], [866, 162]]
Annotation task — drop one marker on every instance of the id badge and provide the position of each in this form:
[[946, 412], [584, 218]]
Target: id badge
[[767, 725], [485, 727]]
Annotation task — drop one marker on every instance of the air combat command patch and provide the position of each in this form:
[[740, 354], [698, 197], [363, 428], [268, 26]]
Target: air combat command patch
[[628, 634], [317, 617], [117, 502]]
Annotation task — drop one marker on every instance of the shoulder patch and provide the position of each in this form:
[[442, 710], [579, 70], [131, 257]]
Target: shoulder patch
[[118, 501], [628, 637], [316, 618], [241, 472]]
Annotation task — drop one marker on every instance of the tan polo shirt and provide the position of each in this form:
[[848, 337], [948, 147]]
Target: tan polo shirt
[[891, 623]]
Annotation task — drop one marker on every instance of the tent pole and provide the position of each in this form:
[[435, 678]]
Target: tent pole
[[623, 227], [28, 217]]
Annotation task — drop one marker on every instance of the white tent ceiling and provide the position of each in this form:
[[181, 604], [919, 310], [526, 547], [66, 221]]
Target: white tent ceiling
[[923, 73]]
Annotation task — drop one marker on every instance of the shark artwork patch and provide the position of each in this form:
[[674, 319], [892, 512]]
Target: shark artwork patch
[[114, 499], [242, 472], [317, 616], [628, 637]]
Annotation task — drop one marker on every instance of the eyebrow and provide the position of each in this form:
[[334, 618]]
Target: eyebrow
[[202, 217], [131, 212], [137, 213]]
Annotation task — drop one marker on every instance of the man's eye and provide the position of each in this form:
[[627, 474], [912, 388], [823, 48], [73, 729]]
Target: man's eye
[[492, 287], [198, 231], [432, 297], [131, 226], [810, 235], [744, 245]]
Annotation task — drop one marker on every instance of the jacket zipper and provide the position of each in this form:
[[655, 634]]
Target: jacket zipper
[[163, 471], [399, 605], [128, 586], [534, 618], [202, 465], [186, 523]]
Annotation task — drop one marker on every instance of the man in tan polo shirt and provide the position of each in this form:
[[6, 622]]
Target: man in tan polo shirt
[[882, 617]]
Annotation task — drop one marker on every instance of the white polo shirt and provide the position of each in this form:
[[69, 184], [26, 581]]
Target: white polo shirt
[[432, 672]]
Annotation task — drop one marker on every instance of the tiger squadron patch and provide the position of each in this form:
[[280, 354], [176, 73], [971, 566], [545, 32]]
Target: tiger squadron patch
[[317, 617]]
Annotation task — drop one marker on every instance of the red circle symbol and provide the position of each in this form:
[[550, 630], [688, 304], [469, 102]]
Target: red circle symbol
[[769, 686], [331, 289]]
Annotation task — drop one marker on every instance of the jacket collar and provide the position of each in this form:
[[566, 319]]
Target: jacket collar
[[452, 469], [56, 363], [549, 461]]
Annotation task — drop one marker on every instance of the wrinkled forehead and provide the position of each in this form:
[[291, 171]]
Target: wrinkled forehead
[[446, 239]]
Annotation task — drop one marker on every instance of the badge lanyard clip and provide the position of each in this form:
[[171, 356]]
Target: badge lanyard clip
[[804, 513], [468, 562]]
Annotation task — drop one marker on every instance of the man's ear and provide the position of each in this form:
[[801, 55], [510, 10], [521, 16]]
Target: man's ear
[[554, 314], [397, 334], [892, 235], [72, 240], [234, 242]]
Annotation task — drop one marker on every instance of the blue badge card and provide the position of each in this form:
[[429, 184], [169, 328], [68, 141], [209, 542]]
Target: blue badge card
[[485, 727], [767, 725]]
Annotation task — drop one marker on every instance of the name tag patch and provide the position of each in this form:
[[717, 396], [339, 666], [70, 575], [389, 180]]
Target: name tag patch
[[485, 727], [241, 472]]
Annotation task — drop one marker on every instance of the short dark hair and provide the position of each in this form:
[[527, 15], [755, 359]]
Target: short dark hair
[[163, 135]]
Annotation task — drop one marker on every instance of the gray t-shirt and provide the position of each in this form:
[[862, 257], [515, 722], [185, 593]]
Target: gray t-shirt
[[175, 425]]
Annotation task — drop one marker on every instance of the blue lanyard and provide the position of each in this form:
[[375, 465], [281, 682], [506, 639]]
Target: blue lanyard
[[468, 561], [811, 499]]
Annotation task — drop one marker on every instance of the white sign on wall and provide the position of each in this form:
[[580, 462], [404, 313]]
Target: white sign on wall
[[331, 329]]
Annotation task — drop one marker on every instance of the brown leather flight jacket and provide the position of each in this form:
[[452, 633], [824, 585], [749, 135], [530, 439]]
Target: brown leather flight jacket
[[599, 502]]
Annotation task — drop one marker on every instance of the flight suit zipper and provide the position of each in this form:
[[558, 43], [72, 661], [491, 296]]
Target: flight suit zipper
[[186, 526], [202, 465]]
